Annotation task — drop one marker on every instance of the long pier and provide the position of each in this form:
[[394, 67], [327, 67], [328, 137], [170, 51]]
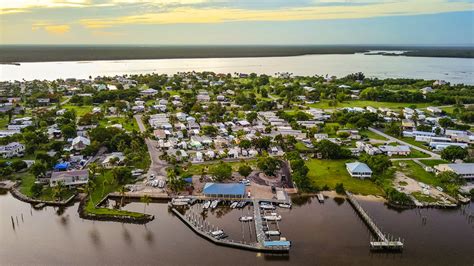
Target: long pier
[[384, 242]]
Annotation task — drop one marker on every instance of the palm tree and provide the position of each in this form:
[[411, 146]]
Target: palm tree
[[122, 191], [58, 190], [93, 168], [146, 200], [89, 188]]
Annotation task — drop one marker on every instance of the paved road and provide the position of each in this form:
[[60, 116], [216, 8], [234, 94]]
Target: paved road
[[157, 166], [432, 154]]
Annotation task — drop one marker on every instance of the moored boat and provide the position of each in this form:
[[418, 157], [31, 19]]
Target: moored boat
[[206, 204], [246, 218], [285, 205], [272, 217], [272, 233]]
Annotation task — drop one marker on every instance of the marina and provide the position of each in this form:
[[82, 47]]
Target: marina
[[218, 236]]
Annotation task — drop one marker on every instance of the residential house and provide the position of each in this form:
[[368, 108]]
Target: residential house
[[70, 178], [464, 170], [13, 149], [79, 143], [359, 170]]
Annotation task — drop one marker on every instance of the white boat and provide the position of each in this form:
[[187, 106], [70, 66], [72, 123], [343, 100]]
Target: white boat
[[207, 204], [284, 205], [218, 234], [272, 217], [320, 197], [272, 233], [246, 218], [182, 200], [179, 203], [234, 204], [161, 184], [267, 207], [214, 204]]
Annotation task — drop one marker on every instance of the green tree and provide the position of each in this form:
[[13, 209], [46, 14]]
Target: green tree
[[221, 171], [452, 153], [269, 165], [340, 188], [245, 170], [251, 117]]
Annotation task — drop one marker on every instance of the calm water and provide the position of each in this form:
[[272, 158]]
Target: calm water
[[322, 234], [455, 70]]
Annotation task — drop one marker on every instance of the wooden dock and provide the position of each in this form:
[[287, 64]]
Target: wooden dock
[[382, 242], [204, 229]]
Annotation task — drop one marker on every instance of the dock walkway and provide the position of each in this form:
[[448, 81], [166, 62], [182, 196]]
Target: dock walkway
[[204, 230], [383, 243]]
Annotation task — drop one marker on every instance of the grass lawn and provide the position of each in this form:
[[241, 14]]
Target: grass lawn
[[415, 171], [28, 180], [299, 146], [324, 104], [196, 169], [80, 110], [423, 198], [105, 184], [372, 135], [331, 172], [127, 124], [432, 163], [4, 122]]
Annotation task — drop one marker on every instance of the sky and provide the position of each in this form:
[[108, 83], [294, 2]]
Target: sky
[[202, 22]]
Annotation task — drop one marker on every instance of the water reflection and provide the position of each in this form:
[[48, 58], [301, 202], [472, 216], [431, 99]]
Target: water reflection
[[339, 200]]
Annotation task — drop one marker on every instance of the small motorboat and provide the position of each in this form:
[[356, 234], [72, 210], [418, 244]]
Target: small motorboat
[[246, 218], [272, 233], [267, 207], [234, 204], [218, 234], [284, 205], [320, 197], [178, 203], [214, 204], [272, 217], [207, 204]]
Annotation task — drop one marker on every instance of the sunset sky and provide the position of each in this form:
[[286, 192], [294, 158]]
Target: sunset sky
[[200, 22]]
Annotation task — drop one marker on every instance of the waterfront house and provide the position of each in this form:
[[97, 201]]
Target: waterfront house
[[70, 178], [464, 170], [359, 170]]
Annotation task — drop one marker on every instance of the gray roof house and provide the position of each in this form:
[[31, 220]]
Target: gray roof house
[[359, 170]]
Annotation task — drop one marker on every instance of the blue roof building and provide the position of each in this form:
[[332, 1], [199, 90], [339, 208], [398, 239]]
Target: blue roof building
[[228, 190], [61, 166]]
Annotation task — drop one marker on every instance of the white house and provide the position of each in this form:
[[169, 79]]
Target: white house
[[395, 150], [359, 170], [70, 178], [107, 162], [465, 170], [12, 149], [80, 143]]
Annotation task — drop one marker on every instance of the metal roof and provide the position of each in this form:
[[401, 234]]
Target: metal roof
[[358, 167], [224, 189]]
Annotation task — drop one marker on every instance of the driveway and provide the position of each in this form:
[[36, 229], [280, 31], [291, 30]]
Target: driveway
[[157, 166], [432, 154]]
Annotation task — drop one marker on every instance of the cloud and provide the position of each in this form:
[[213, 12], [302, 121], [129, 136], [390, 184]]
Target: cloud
[[220, 15], [50, 28]]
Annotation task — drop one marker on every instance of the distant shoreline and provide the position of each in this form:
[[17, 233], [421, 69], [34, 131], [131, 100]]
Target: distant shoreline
[[10, 54]]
